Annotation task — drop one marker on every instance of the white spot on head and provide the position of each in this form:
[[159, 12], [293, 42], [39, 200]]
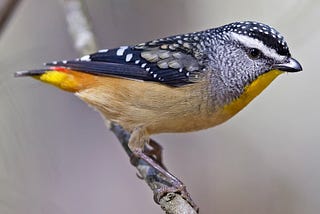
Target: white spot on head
[[85, 58], [103, 51], [121, 50], [129, 57]]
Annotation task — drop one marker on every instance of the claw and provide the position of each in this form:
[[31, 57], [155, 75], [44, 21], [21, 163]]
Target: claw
[[176, 185]]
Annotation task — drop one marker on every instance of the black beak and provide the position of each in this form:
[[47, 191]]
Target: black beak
[[291, 66]]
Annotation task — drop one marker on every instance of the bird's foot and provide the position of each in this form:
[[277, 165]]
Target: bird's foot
[[175, 185]]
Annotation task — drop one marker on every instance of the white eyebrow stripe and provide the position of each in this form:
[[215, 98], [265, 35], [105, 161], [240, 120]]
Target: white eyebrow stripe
[[255, 43]]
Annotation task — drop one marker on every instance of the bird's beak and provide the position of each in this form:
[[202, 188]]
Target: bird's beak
[[291, 66]]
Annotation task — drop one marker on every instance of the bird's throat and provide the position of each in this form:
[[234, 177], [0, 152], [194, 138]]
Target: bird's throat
[[251, 91]]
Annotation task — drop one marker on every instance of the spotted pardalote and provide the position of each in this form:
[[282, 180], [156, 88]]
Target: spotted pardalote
[[180, 83]]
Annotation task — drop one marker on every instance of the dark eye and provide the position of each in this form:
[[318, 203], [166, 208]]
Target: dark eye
[[254, 53]]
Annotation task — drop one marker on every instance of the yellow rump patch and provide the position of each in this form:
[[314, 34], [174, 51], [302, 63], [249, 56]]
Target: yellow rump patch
[[60, 79]]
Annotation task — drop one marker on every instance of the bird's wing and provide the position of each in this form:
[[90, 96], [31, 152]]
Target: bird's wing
[[174, 61]]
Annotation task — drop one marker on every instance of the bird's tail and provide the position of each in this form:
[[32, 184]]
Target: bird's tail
[[63, 78], [37, 72]]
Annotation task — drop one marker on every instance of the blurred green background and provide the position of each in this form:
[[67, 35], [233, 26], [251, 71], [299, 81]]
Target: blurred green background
[[56, 156]]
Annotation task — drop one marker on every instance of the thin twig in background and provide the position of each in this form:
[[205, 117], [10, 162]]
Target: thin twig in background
[[84, 42], [7, 8], [79, 26]]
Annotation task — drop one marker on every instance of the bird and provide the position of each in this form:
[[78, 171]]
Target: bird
[[180, 83]]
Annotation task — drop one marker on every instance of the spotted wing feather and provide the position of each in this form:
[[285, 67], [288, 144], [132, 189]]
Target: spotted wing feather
[[170, 61]]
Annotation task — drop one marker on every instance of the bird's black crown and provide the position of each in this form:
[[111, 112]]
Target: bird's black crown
[[266, 34]]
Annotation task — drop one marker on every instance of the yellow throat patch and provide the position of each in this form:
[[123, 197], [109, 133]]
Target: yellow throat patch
[[251, 91]]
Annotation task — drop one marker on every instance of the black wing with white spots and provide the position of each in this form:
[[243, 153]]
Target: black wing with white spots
[[173, 61]]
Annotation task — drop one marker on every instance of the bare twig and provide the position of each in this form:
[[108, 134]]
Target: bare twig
[[79, 26], [6, 10], [172, 202]]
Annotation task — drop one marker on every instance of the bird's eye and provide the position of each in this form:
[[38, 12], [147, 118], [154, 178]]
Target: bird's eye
[[254, 53]]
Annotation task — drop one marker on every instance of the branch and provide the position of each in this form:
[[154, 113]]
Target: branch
[[173, 202], [6, 10]]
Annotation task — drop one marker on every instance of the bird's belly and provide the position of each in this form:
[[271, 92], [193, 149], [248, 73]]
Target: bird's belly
[[188, 123], [157, 108]]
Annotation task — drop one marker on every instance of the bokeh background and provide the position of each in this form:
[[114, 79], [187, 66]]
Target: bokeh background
[[56, 156]]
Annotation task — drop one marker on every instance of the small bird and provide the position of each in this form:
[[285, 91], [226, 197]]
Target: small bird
[[180, 83]]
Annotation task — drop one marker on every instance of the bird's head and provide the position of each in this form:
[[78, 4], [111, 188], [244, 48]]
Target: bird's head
[[246, 51]]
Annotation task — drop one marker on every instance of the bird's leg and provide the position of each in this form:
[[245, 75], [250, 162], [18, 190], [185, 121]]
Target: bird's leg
[[177, 185], [139, 138], [154, 150]]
